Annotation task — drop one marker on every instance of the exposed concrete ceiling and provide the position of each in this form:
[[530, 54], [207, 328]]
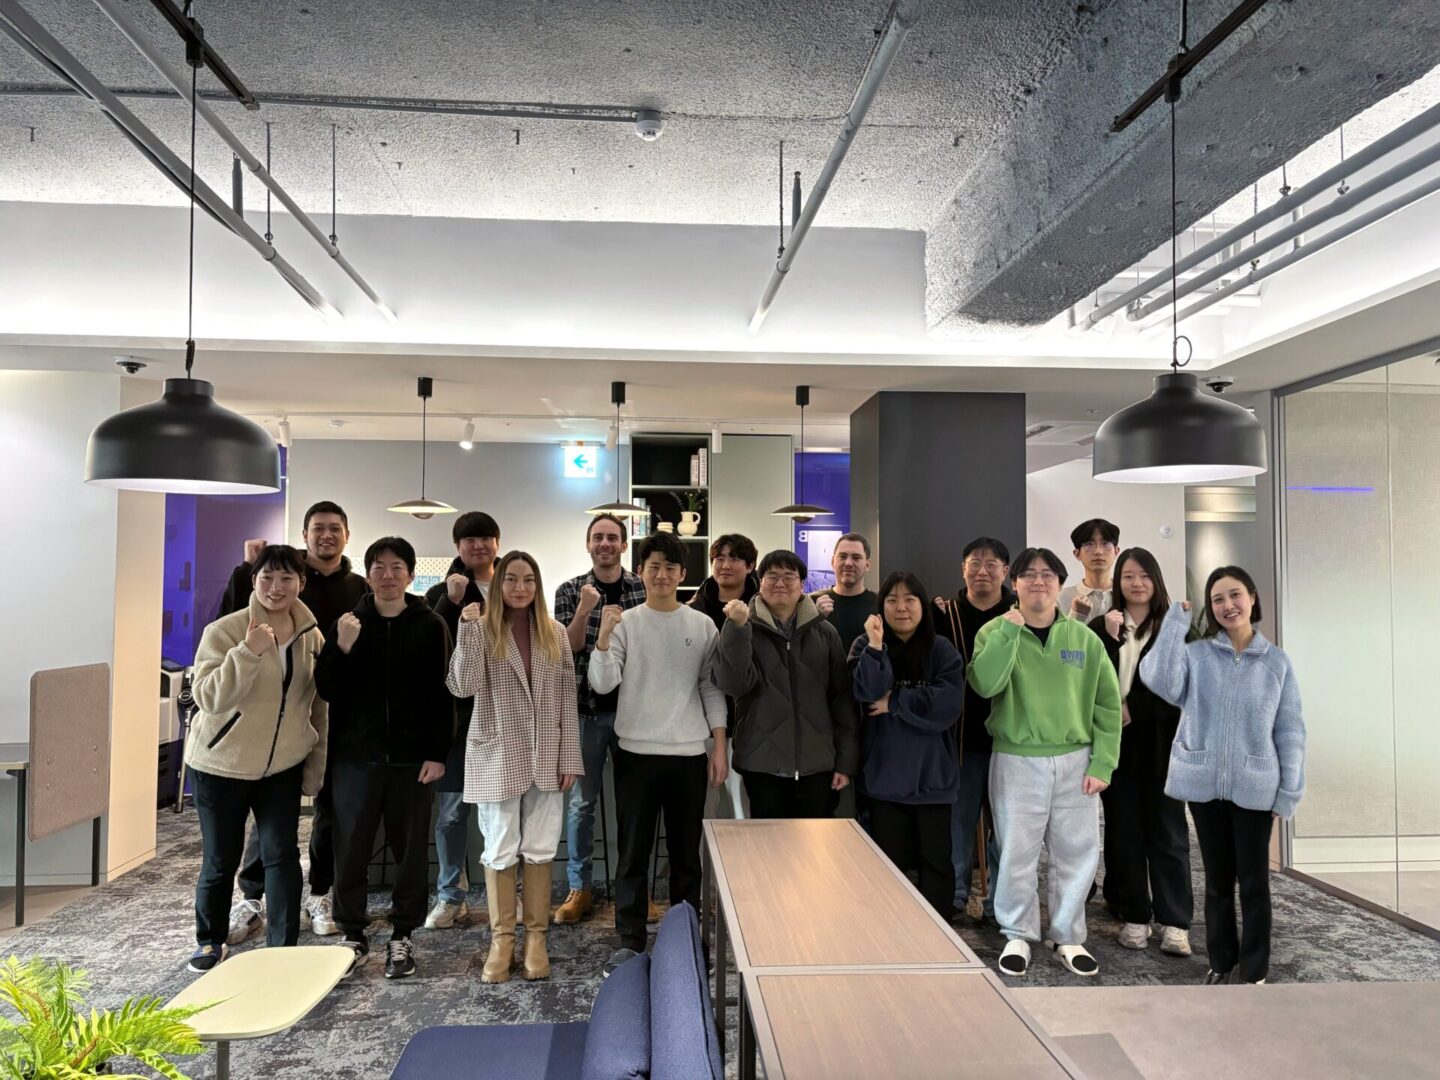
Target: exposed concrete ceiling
[[989, 132]]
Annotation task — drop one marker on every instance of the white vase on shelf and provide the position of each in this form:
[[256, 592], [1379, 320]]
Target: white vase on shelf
[[689, 523]]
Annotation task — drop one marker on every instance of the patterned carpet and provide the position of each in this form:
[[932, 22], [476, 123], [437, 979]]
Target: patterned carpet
[[135, 934]]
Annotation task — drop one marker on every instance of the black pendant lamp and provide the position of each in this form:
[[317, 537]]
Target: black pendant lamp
[[422, 509], [801, 511], [618, 507], [1179, 434], [185, 443]]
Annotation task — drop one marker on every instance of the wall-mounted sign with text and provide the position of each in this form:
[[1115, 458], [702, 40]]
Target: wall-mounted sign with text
[[580, 462]]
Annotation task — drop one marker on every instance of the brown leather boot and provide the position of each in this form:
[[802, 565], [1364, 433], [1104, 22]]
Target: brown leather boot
[[500, 900], [580, 903], [537, 919]]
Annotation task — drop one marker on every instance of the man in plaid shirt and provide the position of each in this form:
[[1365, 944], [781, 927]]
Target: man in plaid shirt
[[578, 603]]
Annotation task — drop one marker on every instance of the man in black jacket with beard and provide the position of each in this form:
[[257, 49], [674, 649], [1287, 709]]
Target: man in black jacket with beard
[[392, 721], [985, 563], [331, 589]]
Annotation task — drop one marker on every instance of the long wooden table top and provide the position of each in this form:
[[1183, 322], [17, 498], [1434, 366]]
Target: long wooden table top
[[818, 892], [914, 1024]]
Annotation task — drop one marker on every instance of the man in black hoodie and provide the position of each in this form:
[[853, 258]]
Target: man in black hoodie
[[331, 589], [985, 564], [392, 721], [477, 542]]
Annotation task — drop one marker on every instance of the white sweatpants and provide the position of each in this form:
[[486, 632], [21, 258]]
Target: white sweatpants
[[1040, 800], [528, 825]]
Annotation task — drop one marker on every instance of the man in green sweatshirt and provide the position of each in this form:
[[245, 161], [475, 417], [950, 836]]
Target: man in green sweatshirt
[[1055, 718]]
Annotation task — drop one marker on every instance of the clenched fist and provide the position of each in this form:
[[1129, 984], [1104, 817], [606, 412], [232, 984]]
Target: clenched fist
[[1080, 606], [875, 631], [455, 586], [347, 631], [589, 598], [610, 618], [470, 613], [1114, 623], [259, 638], [1013, 616], [253, 549], [738, 612], [825, 604]]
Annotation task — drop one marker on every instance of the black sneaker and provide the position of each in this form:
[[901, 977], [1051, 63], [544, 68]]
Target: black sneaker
[[361, 948], [1216, 978], [618, 957], [207, 956], [399, 958]]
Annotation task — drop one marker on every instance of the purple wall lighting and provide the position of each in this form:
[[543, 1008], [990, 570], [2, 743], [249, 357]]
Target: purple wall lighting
[[826, 483]]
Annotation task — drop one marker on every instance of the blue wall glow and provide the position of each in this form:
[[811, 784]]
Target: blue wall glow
[[826, 483], [1330, 490]]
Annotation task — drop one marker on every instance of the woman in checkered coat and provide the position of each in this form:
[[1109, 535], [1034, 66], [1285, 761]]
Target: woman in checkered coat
[[523, 751]]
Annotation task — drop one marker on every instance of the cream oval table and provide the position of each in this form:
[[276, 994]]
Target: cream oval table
[[261, 992]]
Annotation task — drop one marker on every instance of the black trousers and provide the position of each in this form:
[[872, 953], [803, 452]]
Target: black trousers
[[1147, 840], [647, 785], [1235, 846], [785, 797], [365, 795], [222, 805], [917, 839], [322, 852]]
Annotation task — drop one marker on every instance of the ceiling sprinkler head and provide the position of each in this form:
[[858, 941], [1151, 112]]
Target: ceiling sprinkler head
[[337, 423], [649, 124]]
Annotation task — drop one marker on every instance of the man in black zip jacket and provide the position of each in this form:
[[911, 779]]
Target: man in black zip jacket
[[985, 564], [797, 726], [331, 589], [392, 719]]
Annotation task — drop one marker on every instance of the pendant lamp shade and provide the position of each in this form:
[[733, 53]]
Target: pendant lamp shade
[[619, 507], [1179, 435], [801, 512], [184, 443], [422, 509]]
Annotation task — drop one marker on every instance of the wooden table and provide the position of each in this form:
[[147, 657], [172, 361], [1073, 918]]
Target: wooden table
[[261, 992], [15, 761], [813, 1024]]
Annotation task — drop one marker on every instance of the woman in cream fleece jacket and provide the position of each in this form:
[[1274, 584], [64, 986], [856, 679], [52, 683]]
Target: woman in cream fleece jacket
[[256, 742]]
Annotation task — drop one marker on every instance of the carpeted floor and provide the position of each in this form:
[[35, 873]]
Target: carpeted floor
[[135, 934]]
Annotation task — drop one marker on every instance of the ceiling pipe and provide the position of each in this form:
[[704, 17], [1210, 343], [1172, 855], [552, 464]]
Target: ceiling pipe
[[31, 36], [157, 60], [1360, 194], [1406, 132], [903, 16]]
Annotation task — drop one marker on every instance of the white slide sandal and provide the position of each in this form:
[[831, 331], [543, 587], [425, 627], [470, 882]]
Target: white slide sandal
[[1075, 959]]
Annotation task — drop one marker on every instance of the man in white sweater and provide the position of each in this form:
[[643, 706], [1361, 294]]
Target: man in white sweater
[[661, 656]]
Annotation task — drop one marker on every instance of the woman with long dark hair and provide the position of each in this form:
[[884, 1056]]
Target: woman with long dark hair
[[1147, 840], [1238, 759], [912, 684]]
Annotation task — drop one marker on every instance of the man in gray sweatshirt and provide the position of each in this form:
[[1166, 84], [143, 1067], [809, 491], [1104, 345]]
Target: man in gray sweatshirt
[[661, 656]]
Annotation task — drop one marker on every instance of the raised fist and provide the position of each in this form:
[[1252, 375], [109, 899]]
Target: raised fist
[[1114, 623], [455, 586], [738, 612], [470, 613], [1080, 606], [347, 631], [253, 549], [825, 604], [610, 618], [259, 638], [589, 597], [1013, 616], [875, 631]]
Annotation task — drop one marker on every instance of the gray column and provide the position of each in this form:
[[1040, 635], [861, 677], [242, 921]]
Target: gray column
[[930, 471]]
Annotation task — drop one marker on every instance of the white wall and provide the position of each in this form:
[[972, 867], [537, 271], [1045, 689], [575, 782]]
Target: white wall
[[519, 484], [1059, 498]]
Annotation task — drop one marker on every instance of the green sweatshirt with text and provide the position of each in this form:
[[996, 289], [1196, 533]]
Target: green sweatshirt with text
[[1050, 699]]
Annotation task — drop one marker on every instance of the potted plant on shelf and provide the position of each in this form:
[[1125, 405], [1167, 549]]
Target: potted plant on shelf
[[56, 1040], [692, 505]]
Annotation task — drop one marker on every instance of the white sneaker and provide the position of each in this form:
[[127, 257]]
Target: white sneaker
[[1175, 941], [247, 918], [321, 917], [443, 915], [1134, 935]]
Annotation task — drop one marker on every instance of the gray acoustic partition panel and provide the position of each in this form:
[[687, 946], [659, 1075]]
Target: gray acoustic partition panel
[[750, 477], [69, 747]]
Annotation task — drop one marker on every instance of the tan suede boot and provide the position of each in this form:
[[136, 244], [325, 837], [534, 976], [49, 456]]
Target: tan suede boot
[[500, 900], [537, 919]]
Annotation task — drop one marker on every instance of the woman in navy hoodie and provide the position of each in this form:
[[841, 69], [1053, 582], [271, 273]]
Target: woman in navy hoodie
[[912, 684]]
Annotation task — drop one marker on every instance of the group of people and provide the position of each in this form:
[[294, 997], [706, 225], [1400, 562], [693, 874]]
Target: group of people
[[1018, 702]]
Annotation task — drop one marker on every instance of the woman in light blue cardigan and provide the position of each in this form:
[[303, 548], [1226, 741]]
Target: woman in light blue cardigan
[[1238, 759]]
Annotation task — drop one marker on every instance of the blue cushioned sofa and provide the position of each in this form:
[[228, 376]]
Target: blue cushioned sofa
[[652, 1018]]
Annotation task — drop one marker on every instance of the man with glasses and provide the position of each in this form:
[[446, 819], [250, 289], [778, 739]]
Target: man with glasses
[[797, 725], [848, 604], [985, 562], [1055, 718], [578, 606], [1096, 544]]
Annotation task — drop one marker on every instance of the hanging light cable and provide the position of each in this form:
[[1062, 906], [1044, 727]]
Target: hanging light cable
[[619, 507], [185, 443], [423, 509], [801, 511], [1178, 434]]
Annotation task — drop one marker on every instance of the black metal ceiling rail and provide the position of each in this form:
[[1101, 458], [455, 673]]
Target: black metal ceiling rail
[[194, 37]]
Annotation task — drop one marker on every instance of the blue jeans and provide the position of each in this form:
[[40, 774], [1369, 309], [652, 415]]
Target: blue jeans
[[597, 736], [452, 835], [974, 786]]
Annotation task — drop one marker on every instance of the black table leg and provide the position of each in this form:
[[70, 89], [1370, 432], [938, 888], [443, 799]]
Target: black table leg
[[20, 808], [95, 854], [720, 976], [746, 1065]]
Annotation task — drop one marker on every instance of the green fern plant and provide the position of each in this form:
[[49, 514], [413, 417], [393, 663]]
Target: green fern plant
[[56, 1040]]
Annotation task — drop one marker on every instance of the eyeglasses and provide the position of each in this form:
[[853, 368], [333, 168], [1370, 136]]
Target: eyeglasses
[[1030, 577], [990, 566], [781, 580], [1092, 546]]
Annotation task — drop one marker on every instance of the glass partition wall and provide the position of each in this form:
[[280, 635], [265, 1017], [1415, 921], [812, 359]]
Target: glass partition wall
[[1361, 598]]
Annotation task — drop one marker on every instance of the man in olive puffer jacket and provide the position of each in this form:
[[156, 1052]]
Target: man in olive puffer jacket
[[796, 737]]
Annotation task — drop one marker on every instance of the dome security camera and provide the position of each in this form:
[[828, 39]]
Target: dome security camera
[[649, 124], [1219, 383], [131, 365]]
